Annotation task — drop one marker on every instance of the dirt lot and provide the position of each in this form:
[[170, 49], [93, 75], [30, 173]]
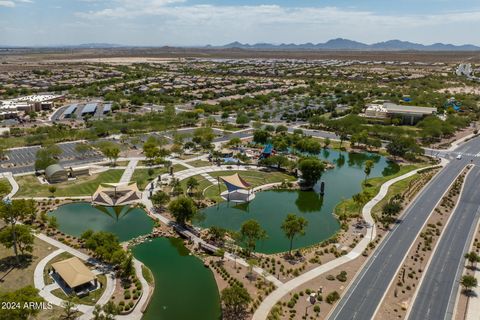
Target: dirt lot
[[32, 55]]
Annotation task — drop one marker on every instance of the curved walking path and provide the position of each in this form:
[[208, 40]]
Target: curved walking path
[[267, 304]]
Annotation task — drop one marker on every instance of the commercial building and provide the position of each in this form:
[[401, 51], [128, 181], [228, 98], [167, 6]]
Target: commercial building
[[407, 114], [38, 102]]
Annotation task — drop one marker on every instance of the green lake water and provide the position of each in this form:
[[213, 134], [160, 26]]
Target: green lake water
[[184, 288], [125, 222], [270, 208]]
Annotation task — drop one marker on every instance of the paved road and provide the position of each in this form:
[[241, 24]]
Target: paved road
[[366, 292], [437, 294]]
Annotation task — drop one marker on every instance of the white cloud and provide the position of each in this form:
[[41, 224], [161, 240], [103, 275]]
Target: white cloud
[[8, 4]]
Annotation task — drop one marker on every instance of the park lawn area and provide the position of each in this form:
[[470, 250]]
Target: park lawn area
[[5, 187], [371, 187], [202, 183], [82, 186], [254, 177], [396, 188], [14, 279], [178, 167], [199, 163], [90, 299], [142, 178]]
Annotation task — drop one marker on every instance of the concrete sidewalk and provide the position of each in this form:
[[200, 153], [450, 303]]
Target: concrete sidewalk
[[128, 173]]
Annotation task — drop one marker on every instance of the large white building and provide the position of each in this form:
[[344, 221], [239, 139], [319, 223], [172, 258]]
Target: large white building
[[407, 114], [38, 102]]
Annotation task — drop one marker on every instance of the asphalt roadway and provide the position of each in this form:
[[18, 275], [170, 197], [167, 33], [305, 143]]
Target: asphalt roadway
[[438, 291], [365, 294]]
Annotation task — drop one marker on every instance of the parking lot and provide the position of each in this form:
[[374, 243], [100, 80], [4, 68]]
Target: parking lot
[[22, 160]]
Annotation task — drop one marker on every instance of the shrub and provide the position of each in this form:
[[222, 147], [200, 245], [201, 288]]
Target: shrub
[[332, 297], [342, 276]]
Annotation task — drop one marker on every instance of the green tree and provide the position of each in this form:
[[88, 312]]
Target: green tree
[[242, 119], [216, 233], [468, 282], [235, 300], [235, 141], [23, 238], [47, 156], [110, 310], [472, 257], [160, 198], [22, 296], [250, 233], [183, 209], [112, 153], [69, 310], [368, 168], [293, 225], [52, 190], [192, 183], [13, 212], [312, 170], [261, 136]]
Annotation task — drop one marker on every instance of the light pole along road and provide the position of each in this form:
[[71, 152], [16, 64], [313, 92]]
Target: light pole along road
[[437, 294], [365, 294]]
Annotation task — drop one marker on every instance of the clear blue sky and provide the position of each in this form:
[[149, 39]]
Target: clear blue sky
[[200, 22]]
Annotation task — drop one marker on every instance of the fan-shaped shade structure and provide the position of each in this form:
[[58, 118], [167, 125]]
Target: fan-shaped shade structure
[[116, 194], [238, 190]]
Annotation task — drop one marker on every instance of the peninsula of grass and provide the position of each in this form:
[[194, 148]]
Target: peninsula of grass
[[370, 188], [254, 177], [82, 186], [148, 275]]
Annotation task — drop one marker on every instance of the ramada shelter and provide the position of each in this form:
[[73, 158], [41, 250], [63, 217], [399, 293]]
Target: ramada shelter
[[75, 275]]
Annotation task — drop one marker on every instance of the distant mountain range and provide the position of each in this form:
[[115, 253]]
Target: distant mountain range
[[334, 44], [345, 44]]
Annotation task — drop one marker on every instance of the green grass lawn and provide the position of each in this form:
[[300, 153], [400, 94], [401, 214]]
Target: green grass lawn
[[147, 274], [202, 183], [90, 299], [83, 186], [396, 188], [371, 187], [5, 187], [199, 163], [142, 177], [178, 167], [255, 178]]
